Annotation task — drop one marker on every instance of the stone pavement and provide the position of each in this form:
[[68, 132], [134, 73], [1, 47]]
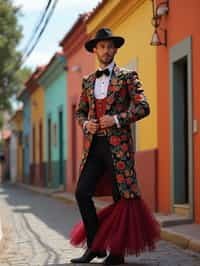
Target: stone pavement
[[37, 230], [177, 229]]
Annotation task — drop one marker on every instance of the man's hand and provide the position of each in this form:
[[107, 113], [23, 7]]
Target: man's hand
[[106, 121], [92, 126]]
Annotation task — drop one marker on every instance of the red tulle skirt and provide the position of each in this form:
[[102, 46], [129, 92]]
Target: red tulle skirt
[[126, 227]]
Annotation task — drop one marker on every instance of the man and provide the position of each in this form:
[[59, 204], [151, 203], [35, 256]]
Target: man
[[111, 99]]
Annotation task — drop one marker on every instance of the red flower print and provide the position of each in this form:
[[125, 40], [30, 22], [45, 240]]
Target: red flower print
[[120, 178], [114, 140], [113, 88], [138, 98], [120, 165], [110, 100], [124, 147]]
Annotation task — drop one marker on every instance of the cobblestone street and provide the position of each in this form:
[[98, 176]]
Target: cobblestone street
[[37, 227]]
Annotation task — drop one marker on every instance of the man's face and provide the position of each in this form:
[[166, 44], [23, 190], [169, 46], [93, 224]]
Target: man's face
[[105, 51]]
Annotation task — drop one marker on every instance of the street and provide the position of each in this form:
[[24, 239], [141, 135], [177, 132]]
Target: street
[[37, 228]]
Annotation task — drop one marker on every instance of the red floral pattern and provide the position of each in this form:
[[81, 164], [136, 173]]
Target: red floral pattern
[[114, 140], [120, 165], [124, 88]]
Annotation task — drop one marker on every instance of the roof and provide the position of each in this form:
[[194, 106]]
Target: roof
[[81, 19], [57, 54], [35, 74], [96, 9]]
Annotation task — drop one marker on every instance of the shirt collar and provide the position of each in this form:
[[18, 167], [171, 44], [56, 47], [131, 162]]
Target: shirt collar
[[110, 66]]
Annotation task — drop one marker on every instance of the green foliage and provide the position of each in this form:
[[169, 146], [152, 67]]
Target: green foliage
[[11, 79]]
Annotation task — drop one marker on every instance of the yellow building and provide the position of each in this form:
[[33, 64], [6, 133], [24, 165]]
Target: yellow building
[[37, 129], [16, 123], [132, 20]]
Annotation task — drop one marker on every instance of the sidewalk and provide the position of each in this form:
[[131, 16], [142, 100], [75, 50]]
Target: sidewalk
[[176, 229], [1, 234]]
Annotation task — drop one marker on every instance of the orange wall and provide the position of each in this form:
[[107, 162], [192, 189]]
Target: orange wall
[[183, 20], [74, 79]]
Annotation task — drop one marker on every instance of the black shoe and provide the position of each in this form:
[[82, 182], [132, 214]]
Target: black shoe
[[114, 260], [88, 256]]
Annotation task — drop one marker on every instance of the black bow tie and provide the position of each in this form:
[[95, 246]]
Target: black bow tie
[[99, 73]]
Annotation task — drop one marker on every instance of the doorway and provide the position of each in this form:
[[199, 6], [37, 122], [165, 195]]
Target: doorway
[[33, 155], [49, 153], [41, 154], [180, 132], [61, 148], [181, 129]]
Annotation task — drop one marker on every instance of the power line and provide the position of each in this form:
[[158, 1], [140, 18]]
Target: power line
[[37, 26], [50, 13]]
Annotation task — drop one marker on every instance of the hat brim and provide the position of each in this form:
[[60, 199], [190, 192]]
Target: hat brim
[[118, 42]]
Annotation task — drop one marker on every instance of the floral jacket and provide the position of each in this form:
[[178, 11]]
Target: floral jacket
[[126, 99]]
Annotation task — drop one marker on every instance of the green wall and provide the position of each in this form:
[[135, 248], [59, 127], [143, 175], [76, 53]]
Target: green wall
[[54, 83]]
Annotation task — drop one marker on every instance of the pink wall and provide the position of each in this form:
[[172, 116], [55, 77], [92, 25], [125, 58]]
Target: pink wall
[[86, 63], [79, 64]]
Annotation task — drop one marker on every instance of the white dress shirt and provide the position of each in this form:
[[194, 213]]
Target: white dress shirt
[[101, 88], [102, 83]]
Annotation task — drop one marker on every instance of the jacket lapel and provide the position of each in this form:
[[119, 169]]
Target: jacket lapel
[[91, 84], [112, 87]]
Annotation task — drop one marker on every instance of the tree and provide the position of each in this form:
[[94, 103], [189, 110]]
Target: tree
[[11, 77]]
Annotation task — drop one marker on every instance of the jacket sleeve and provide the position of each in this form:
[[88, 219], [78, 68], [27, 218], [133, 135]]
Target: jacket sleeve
[[83, 106], [139, 107]]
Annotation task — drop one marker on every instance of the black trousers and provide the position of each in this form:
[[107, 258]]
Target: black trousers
[[99, 159]]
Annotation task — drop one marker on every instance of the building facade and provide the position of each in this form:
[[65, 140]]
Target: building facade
[[24, 96], [16, 148], [37, 174], [79, 63], [53, 80], [178, 82]]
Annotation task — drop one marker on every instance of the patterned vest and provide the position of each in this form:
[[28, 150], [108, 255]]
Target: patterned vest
[[100, 106]]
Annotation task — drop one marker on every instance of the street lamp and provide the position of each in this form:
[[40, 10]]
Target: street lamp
[[159, 11], [162, 8]]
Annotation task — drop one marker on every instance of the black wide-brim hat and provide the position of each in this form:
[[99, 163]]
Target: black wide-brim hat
[[102, 35]]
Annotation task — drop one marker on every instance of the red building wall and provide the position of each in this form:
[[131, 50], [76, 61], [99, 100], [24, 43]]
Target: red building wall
[[182, 21], [79, 63]]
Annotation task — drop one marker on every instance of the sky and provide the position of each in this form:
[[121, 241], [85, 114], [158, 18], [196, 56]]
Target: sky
[[64, 16]]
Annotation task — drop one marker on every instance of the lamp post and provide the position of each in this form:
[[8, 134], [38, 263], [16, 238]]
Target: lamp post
[[159, 11]]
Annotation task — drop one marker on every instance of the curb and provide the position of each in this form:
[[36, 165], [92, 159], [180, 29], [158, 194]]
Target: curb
[[1, 237], [181, 240], [168, 234], [1, 232]]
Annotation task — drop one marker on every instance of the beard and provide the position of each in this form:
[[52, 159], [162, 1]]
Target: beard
[[106, 60]]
